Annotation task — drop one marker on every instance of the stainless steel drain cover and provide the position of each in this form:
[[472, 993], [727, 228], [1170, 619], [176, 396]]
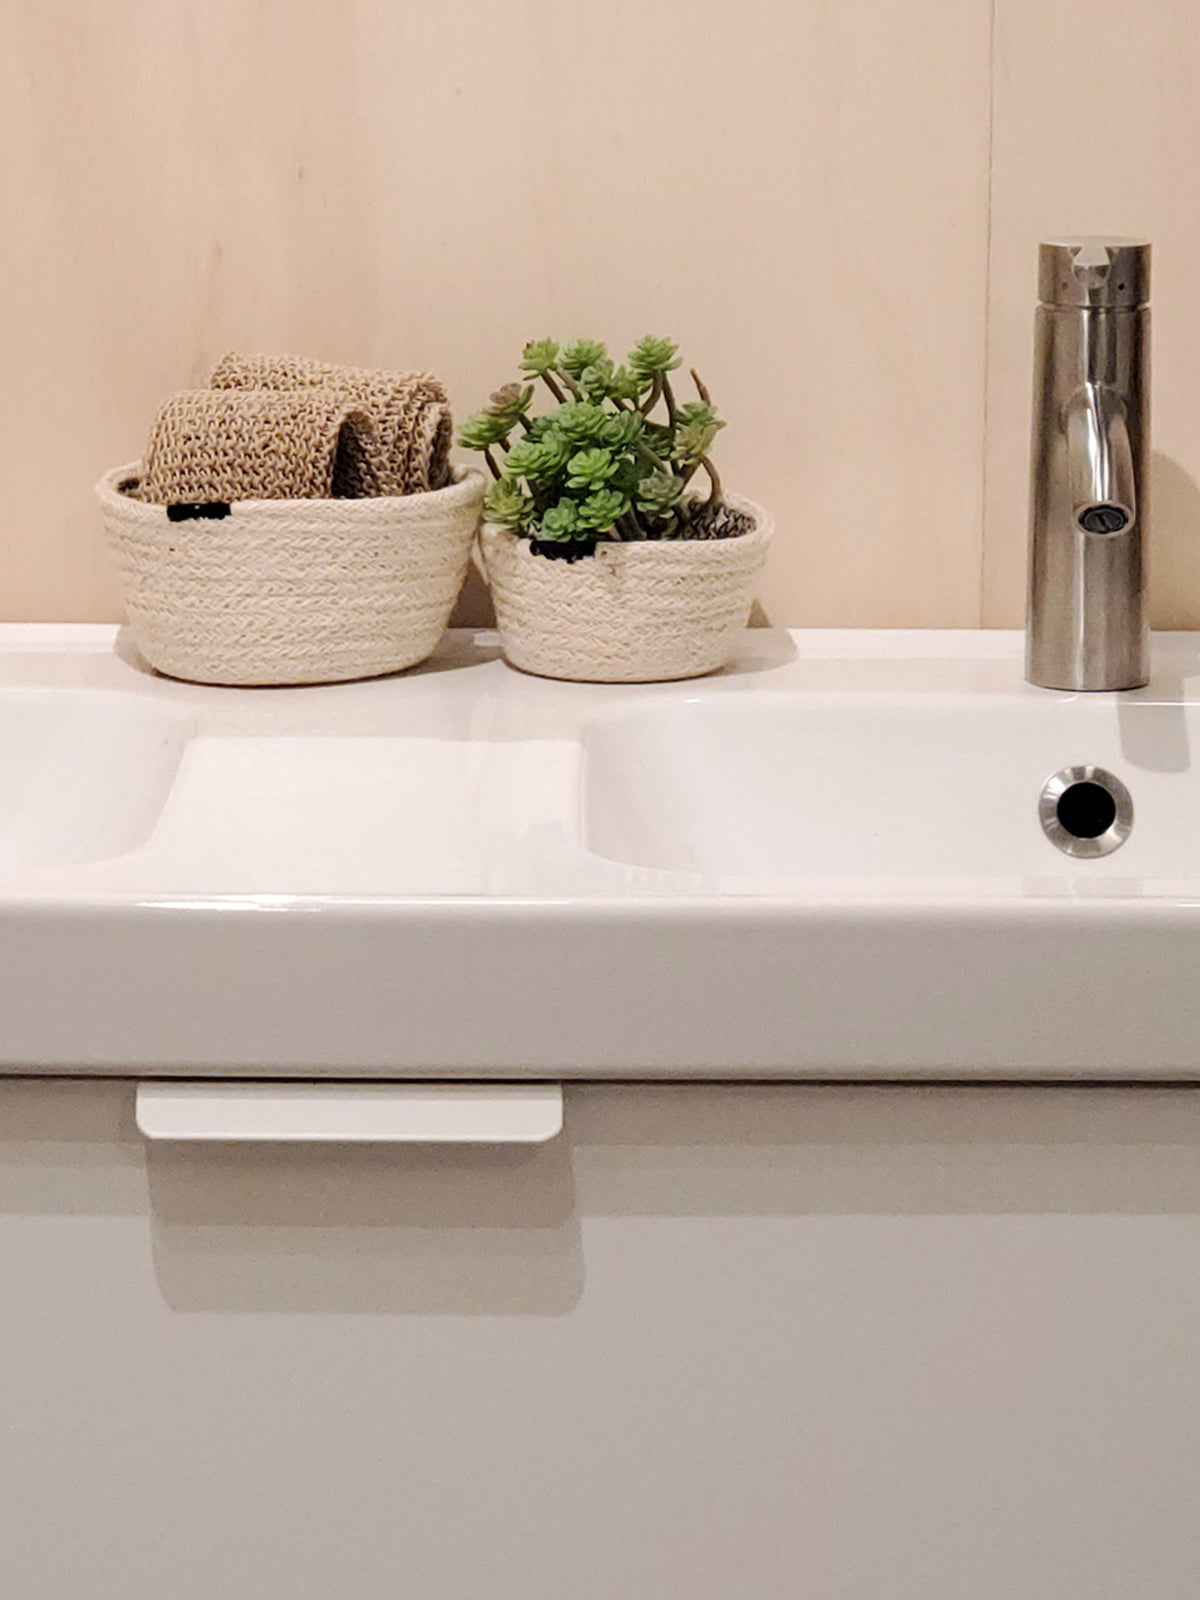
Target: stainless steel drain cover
[[1086, 811]]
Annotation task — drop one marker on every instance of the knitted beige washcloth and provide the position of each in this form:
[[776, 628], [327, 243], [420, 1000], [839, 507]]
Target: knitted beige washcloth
[[260, 444], [409, 408]]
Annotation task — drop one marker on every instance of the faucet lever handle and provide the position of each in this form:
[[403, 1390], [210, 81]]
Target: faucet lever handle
[[1105, 273]]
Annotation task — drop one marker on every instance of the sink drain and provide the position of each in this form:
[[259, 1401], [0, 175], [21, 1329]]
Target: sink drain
[[1086, 811]]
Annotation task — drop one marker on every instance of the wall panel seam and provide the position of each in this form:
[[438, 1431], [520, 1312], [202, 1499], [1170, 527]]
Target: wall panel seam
[[987, 315]]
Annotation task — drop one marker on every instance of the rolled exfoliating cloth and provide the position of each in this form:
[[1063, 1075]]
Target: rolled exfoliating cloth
[[260, 444], [410, 411]]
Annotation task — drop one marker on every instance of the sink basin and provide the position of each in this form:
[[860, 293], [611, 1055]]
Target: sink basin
[[83, 774], [763, 791], [827, 863], [379, 815]]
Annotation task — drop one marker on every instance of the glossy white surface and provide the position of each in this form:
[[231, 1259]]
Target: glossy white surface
[[912, 796], [350, 1113], [825, 862], [84, 773]]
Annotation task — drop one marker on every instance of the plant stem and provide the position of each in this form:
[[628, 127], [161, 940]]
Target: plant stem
[[569, 381], [670, 399], [700, 389], [640, 531], [653, 397], [491, 461], [714, 495], [553, 388]]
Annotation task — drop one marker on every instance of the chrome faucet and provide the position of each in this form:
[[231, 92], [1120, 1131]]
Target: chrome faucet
[[1089, 467]]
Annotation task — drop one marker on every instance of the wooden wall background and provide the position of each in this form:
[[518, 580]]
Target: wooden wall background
[[833, 204]]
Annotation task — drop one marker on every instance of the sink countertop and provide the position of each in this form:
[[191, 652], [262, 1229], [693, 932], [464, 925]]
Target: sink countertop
[[822, 863]]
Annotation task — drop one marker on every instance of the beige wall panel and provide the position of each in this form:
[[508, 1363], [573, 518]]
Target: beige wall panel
[[177, 178], [1097, 129], [795, 191]]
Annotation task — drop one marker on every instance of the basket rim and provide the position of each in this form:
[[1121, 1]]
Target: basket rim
[[467, 486]]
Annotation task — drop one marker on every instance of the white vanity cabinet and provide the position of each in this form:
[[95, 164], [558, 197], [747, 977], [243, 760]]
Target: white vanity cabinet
[[840, 1343]]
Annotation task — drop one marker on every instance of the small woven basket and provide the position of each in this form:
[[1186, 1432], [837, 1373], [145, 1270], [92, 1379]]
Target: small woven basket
[[638, 612], [291, 591]]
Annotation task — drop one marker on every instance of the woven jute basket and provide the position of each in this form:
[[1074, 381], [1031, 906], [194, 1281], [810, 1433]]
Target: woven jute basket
[[291, 591], [637, 612]]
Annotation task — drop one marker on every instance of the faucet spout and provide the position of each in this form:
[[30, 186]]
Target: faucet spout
[[1100, 461]]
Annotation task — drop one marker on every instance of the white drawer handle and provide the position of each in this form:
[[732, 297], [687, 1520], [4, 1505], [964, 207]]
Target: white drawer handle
[[407, 1113]]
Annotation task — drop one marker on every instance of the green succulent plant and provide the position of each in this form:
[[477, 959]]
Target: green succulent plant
[[541, 356], [506, 504], [590, 469], [659, 494], [510, 402], [561, 520], [624, 428], [652, 357], [581, 420], [537, 460], [626, 385], [482, 431], [602, 509], [614, 458], [575, 357]]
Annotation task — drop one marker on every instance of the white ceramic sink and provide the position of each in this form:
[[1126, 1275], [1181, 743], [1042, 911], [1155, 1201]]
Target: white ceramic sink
[[919, 796], [377, 814], [825, 863], [83, 774]]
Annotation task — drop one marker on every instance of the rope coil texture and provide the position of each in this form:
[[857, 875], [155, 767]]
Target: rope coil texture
[[637, 612], [291, 591]]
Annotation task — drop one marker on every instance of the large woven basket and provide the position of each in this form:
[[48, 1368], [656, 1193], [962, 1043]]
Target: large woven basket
[[639, 612], [291, 591]]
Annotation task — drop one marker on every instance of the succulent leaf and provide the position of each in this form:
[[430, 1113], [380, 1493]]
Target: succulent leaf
[[538, 460], [581, 353], [623, 428], [659, 438], [700, 412], [602, 508], [509, 402], [541, 355], [561, 521], [694, 440], [595, 381], [651, 357], [482, 430], [659, 494], [581, 421], [627, 385], [590, 469], [506, 505]]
